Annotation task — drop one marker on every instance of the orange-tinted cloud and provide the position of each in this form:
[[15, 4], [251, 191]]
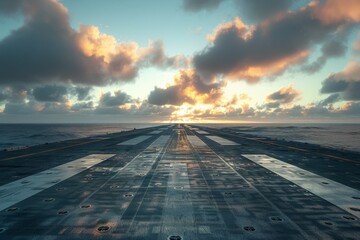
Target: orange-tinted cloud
[[337, 11], [285, 95], [188, 87], [51, 51], [250, 53]]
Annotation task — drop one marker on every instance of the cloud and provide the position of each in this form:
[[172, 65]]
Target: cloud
[[9, 6], [335, 11], [47, 50], [333, 98], [50, 93], [238, 51], [169, 96], [259, 10], [21, 108], [4, 95], [330, 49], [81, 106], [119, 98], [154, 55], [346, 83], [188, 87], [82, 93], [198, 5], [356, 45], [284, 96], [46, 46], [13, 94], [54, 108], [350, 108], [256, 10]]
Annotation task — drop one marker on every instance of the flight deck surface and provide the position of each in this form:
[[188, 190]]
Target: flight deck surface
[[179, 182]]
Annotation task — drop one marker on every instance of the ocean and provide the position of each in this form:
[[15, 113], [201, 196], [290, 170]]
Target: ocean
[[335, 135], [339, 136], [13, 136]]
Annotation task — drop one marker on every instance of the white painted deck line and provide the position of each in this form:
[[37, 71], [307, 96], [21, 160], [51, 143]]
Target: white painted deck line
[[202, 132], [156, 132], [176, 208], [333, 192], [21, 189], [196, 141], [145, 160], [222, 141], [134, 141]]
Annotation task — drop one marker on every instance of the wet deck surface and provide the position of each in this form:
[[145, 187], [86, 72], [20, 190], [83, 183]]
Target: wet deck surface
[[179, 182]]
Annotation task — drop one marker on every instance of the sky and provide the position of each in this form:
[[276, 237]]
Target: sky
[[110, 61]]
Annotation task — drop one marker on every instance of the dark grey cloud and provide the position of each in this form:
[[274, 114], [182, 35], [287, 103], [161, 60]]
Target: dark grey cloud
[[119, 98], [254, 10], [54, 108], [82, 93], [46, 49], [352, 108], [4, 95], [148, 109], [50, 93], [9, 6], [331, 49], [350, 90], [333, 98], [258, 10], [82, 106], [346, 83], [240, 52], [199, 5], [20, 108], [332, 85], [13, 94], [169, 96], [285, 95], [272, 105]]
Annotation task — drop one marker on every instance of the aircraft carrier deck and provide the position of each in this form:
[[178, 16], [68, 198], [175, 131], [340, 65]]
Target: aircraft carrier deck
[[179, 182]]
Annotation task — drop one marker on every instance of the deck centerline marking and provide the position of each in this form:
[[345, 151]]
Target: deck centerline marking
[[195, 143], [336, 193], [164, 143], [16, 191]]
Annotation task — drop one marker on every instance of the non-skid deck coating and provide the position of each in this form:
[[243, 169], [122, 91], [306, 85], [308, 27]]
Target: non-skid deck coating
[[178, 184], [19, 190], [338, 194]]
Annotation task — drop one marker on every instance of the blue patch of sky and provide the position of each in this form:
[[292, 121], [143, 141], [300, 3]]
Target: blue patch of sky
[[142, 21]]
